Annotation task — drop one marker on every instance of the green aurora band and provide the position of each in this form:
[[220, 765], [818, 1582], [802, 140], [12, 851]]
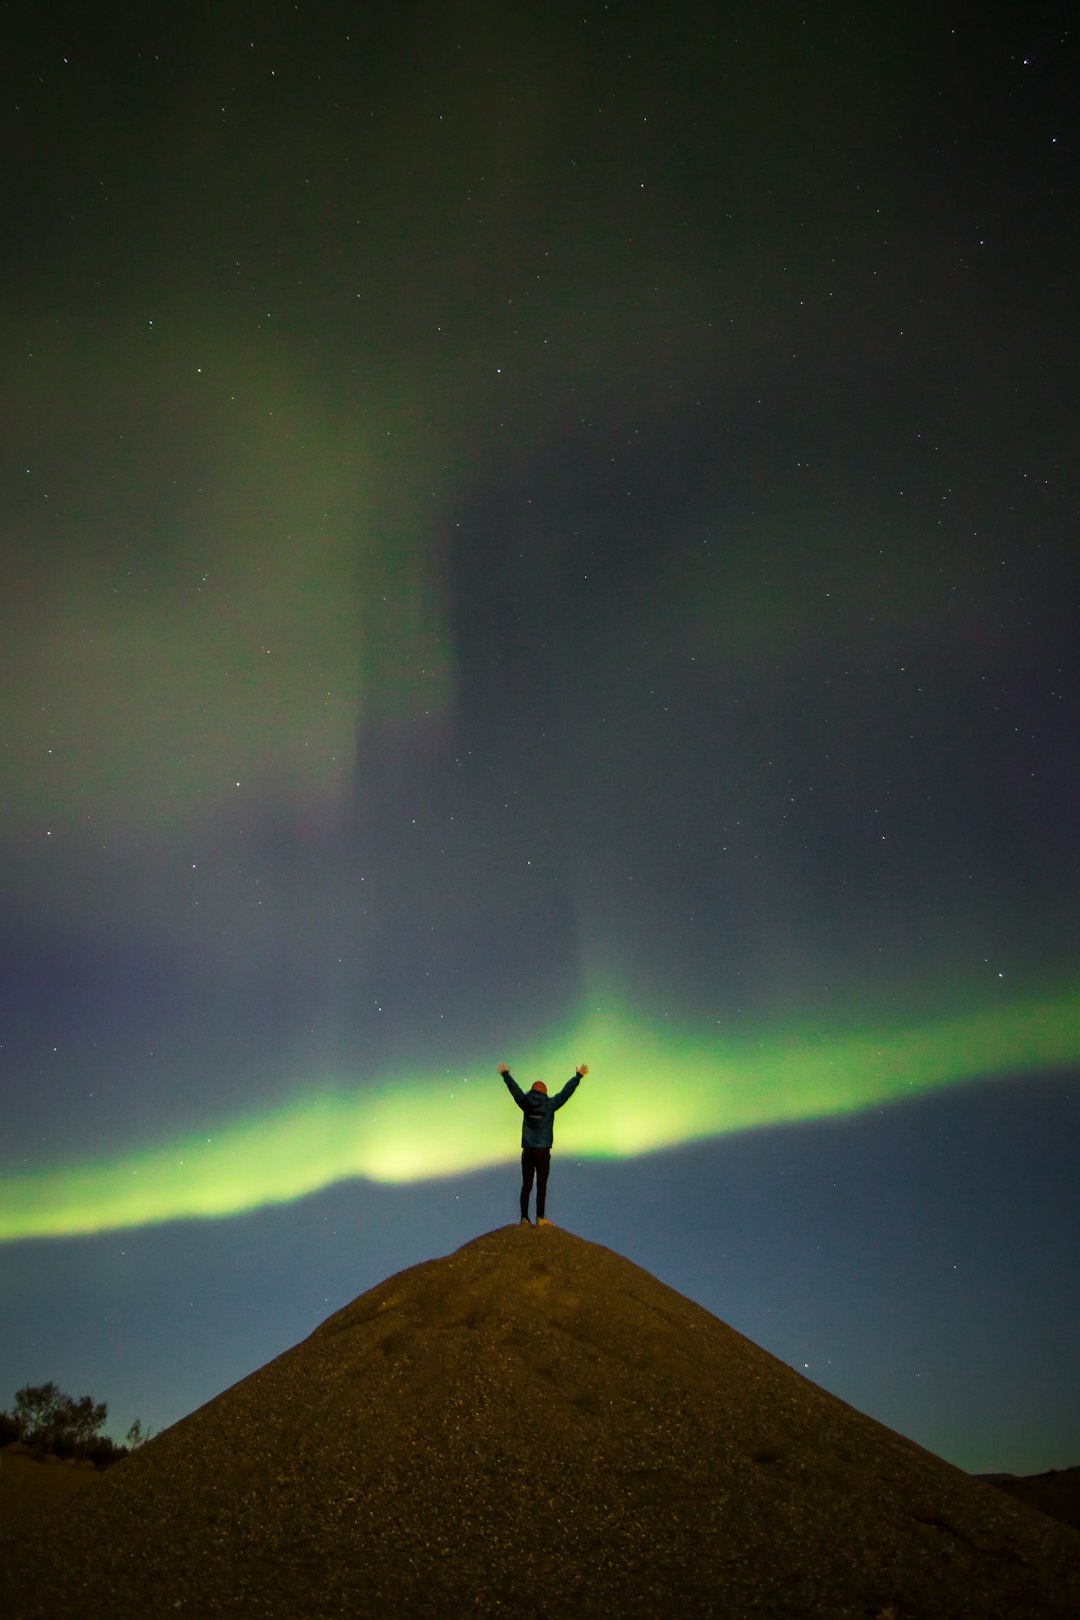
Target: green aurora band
[[650, 1087]]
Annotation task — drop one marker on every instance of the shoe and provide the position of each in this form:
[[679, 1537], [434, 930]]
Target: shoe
[[541, 1220], [524, 1221]]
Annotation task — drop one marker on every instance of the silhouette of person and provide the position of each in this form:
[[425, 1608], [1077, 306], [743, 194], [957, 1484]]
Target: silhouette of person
[[536, 1134]]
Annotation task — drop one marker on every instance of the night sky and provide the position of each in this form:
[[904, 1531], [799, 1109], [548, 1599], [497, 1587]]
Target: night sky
[[544, 534]]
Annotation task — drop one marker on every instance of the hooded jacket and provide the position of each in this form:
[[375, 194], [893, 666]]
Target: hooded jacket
[[539, 1110]]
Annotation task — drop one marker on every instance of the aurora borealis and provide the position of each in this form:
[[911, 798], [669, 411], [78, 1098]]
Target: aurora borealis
[[405, 1129], [543, 537]]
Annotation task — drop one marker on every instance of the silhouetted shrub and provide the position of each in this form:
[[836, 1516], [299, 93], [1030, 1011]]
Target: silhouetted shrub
[[47, 1420], [51, 1424]]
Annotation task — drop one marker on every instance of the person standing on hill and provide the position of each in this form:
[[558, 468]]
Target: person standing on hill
[[536, 1134]]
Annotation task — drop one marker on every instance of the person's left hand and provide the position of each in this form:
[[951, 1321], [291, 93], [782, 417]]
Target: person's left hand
[[503, 1069]]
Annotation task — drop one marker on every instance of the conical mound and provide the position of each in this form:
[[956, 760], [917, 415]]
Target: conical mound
[[534, 1425]]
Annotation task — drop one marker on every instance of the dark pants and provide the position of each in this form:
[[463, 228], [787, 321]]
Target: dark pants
[[534, 1161]]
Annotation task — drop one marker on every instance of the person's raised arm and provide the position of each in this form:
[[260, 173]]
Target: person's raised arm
[[512, 1086], [571, 1085]]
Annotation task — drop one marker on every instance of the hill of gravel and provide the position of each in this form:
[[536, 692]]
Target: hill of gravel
[[534, 1425]]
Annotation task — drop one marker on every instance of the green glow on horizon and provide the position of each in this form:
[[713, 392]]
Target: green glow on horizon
[[650, 1087]]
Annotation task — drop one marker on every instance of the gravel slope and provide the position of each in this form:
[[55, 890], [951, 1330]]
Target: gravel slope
[[534, 1425]]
